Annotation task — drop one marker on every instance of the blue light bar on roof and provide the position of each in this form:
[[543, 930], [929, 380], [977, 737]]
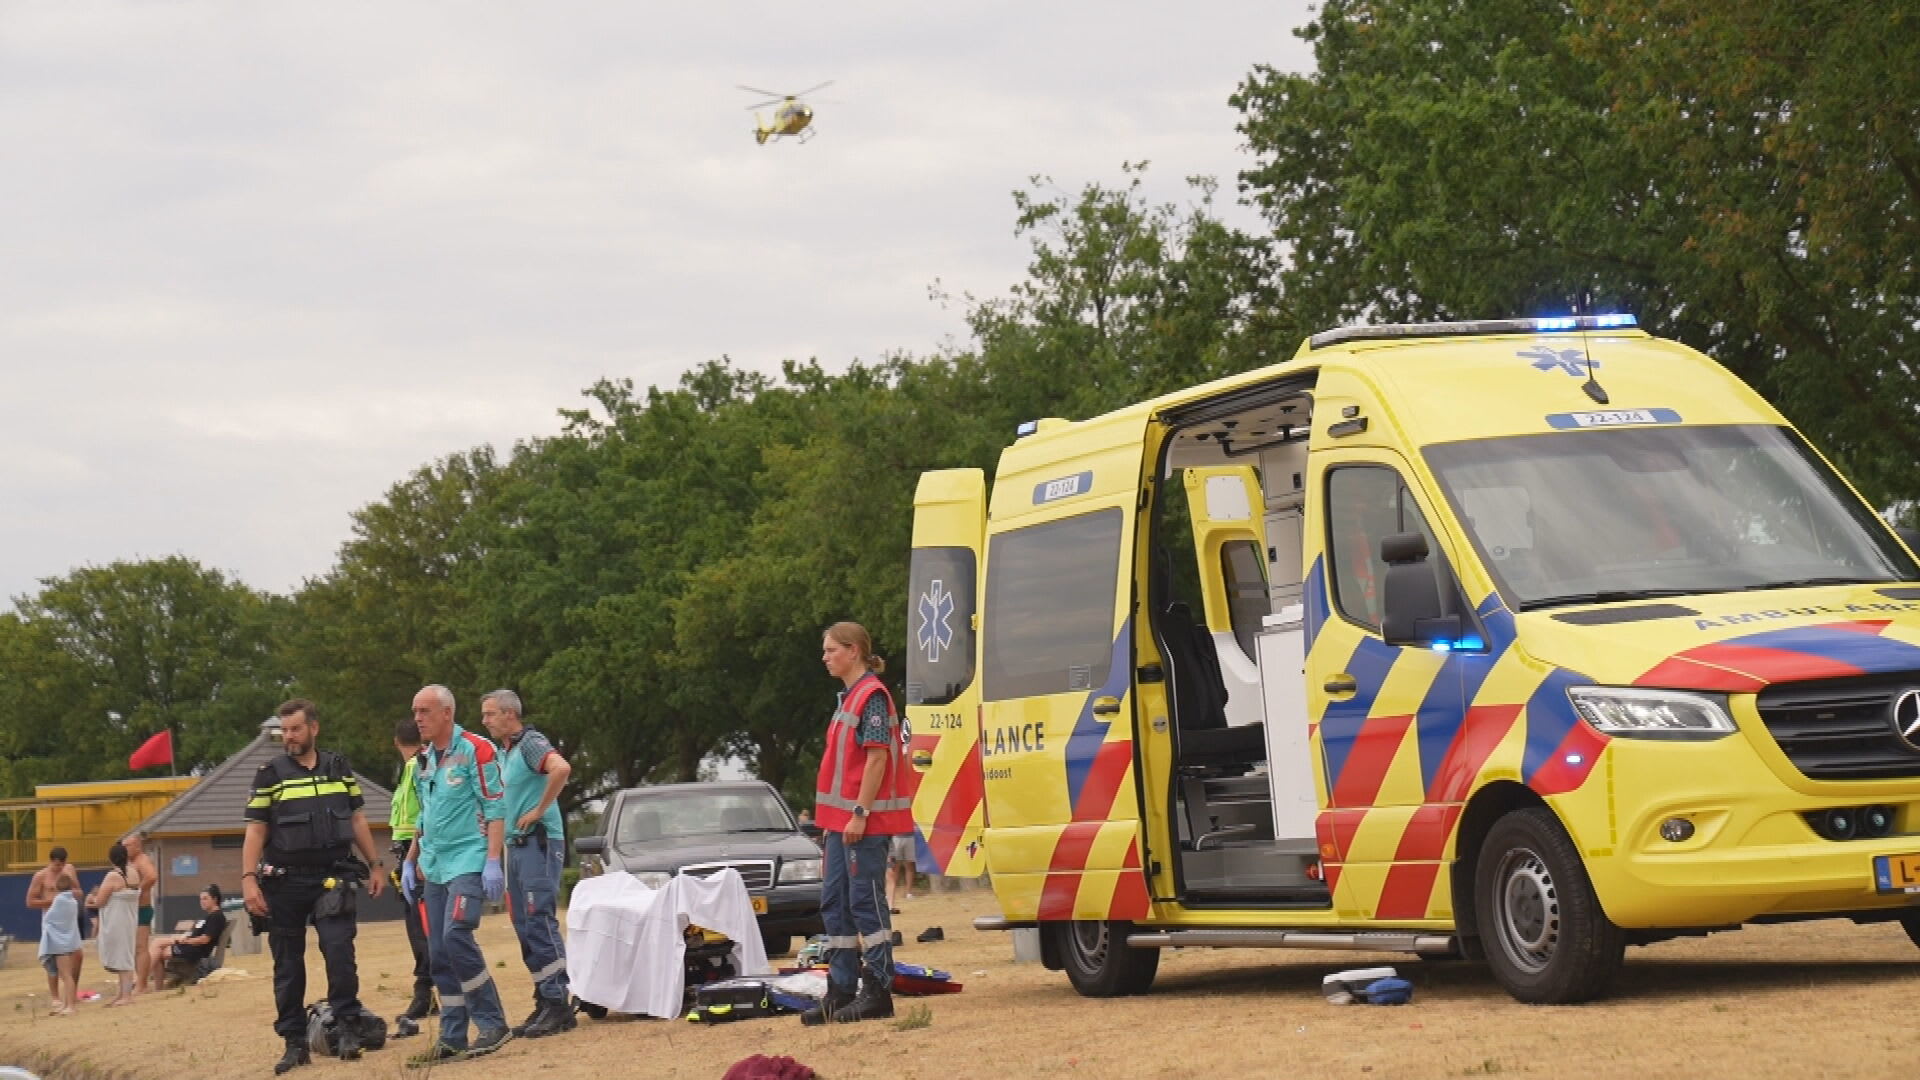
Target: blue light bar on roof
[[1026, 428], [1470, 328]]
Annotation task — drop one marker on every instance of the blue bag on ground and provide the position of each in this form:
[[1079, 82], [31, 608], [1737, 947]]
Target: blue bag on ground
[[1393, 991]]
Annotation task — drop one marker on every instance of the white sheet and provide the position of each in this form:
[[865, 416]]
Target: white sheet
[[625, 945]]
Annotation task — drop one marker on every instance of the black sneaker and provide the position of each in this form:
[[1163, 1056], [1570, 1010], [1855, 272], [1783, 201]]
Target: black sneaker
[[433, 1055], [490, 1041], [835, 1000], [931, 933], [875, 1004], [295, 1056]]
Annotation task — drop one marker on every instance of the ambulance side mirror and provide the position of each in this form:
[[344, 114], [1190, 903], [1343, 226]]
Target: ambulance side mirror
[[1411, 593], [589, 845]]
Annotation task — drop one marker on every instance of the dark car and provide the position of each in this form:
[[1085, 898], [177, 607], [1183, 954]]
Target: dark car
[[654, 833]]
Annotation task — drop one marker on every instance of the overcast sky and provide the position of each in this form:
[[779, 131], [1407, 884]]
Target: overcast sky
[[263, 259]]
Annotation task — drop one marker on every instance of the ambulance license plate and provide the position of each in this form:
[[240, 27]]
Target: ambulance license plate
[[760, 902], [1897, 873]]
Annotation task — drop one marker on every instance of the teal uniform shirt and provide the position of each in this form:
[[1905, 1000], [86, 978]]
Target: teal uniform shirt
[[460, 792], [527, 780]]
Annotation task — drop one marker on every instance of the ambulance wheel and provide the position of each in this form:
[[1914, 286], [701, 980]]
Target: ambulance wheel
[[1910, 922], [1545, 936], [1098, 960]]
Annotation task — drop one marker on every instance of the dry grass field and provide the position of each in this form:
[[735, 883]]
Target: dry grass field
[[1815, 1000]]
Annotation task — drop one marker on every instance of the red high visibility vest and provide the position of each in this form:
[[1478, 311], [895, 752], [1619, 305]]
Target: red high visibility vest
[[844, 763]]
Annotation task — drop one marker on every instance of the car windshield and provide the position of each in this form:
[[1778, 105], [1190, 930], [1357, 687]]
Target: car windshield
[[680, 814], [1631, 512]]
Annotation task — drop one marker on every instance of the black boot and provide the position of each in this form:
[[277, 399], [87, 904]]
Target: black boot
[[835, 1000], [295, 1056], [539, 1009], [551, 1018], [874, 1003], [422, 1005]]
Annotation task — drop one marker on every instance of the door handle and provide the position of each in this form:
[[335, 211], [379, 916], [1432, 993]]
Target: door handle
[[1342, 683], [922, 760], [1106, 706]]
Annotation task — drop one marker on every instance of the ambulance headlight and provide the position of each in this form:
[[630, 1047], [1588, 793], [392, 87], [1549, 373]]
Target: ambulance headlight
[[795, 871], [652, 879], [1652, 714]]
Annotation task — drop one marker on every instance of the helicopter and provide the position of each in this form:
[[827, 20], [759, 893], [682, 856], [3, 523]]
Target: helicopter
[[790, 119]]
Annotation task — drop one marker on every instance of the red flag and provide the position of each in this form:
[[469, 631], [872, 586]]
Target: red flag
[[155, 751]]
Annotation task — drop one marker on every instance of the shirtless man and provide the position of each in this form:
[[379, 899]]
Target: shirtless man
[[47, 881], [144, 872]]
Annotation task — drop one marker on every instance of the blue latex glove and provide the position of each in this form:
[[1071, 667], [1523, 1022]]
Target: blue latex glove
[[493, 881], [409, 881]]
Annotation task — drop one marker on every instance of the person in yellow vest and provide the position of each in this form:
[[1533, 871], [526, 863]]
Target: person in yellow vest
[[860, 807], [404, 818]]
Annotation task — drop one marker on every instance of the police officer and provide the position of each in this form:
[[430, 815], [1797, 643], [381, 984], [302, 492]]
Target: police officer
[[454, 862], [536, 849], [303, 823]]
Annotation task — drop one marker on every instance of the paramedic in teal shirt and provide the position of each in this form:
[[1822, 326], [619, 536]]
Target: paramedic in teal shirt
[[456, 863], [536, 849]]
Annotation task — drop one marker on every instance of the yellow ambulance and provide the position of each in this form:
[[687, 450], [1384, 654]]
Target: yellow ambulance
[[1517, 640]]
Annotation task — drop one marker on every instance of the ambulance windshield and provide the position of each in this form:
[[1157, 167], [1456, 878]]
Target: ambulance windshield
[[1629, 512]]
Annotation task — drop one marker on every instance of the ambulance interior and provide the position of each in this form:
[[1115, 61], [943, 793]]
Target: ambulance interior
[[1242, 801]]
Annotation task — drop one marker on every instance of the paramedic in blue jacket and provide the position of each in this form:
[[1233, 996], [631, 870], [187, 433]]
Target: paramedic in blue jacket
[[456, 862]]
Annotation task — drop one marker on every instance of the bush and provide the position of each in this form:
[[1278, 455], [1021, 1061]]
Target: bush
[[569, 877]]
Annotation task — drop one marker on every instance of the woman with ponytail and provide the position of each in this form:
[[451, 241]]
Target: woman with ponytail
[[860, 806]]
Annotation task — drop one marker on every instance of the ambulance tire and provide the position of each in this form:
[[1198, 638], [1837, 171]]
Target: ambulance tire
[[1098, 960], [1541, 926], [1910, 922]]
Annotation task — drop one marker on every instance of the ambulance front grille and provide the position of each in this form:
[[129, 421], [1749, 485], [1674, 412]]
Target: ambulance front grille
[[758, 876], [1843, 729]]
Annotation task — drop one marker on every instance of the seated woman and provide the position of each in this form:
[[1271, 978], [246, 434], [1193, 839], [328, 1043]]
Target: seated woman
[[181, 953]]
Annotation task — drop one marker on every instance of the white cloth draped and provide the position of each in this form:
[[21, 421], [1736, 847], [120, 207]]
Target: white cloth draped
[[626, 948]]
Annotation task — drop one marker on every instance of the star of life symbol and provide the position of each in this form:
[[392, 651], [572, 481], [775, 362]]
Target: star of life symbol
[[935, 633], [1570, 361]]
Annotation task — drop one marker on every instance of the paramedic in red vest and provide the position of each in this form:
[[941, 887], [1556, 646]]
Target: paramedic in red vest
[[860, 810]]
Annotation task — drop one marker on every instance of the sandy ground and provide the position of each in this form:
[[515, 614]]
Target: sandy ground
[[1814, 1000]]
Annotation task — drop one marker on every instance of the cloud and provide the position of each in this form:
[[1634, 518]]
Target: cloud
[[266, 259]]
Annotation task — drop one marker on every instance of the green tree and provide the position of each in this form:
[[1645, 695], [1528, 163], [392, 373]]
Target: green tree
[[117, 653]]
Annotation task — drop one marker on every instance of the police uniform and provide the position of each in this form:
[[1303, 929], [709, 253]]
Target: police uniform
[[308, 874]]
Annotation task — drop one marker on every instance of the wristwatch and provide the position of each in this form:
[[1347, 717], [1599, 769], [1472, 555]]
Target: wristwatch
[[859, 811]]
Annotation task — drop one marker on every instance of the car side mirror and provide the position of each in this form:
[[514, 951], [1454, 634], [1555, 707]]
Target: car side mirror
[[1410, 595], [589, 845], [811, 828]]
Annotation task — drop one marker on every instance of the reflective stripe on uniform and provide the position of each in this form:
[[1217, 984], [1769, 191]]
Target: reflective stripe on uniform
[[551, 970], [470, 985], [841, 802], [453, 1001], [849, 942]]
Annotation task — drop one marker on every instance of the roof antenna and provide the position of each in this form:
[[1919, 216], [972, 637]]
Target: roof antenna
[[1592, 386]]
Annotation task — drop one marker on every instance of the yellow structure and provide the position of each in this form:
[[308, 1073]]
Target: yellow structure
[[83, 818]]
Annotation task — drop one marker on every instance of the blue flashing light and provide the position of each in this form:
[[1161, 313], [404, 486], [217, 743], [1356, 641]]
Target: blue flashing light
[[1566, 322], [1027, 427], [1469, 643], [1442, 646], [1615, 320]]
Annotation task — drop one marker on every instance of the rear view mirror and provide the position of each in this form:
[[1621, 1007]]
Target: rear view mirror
[[1412, 610], [589, 845]]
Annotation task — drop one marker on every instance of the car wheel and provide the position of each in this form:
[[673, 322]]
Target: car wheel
[[1098, 960], [1546, 938]]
